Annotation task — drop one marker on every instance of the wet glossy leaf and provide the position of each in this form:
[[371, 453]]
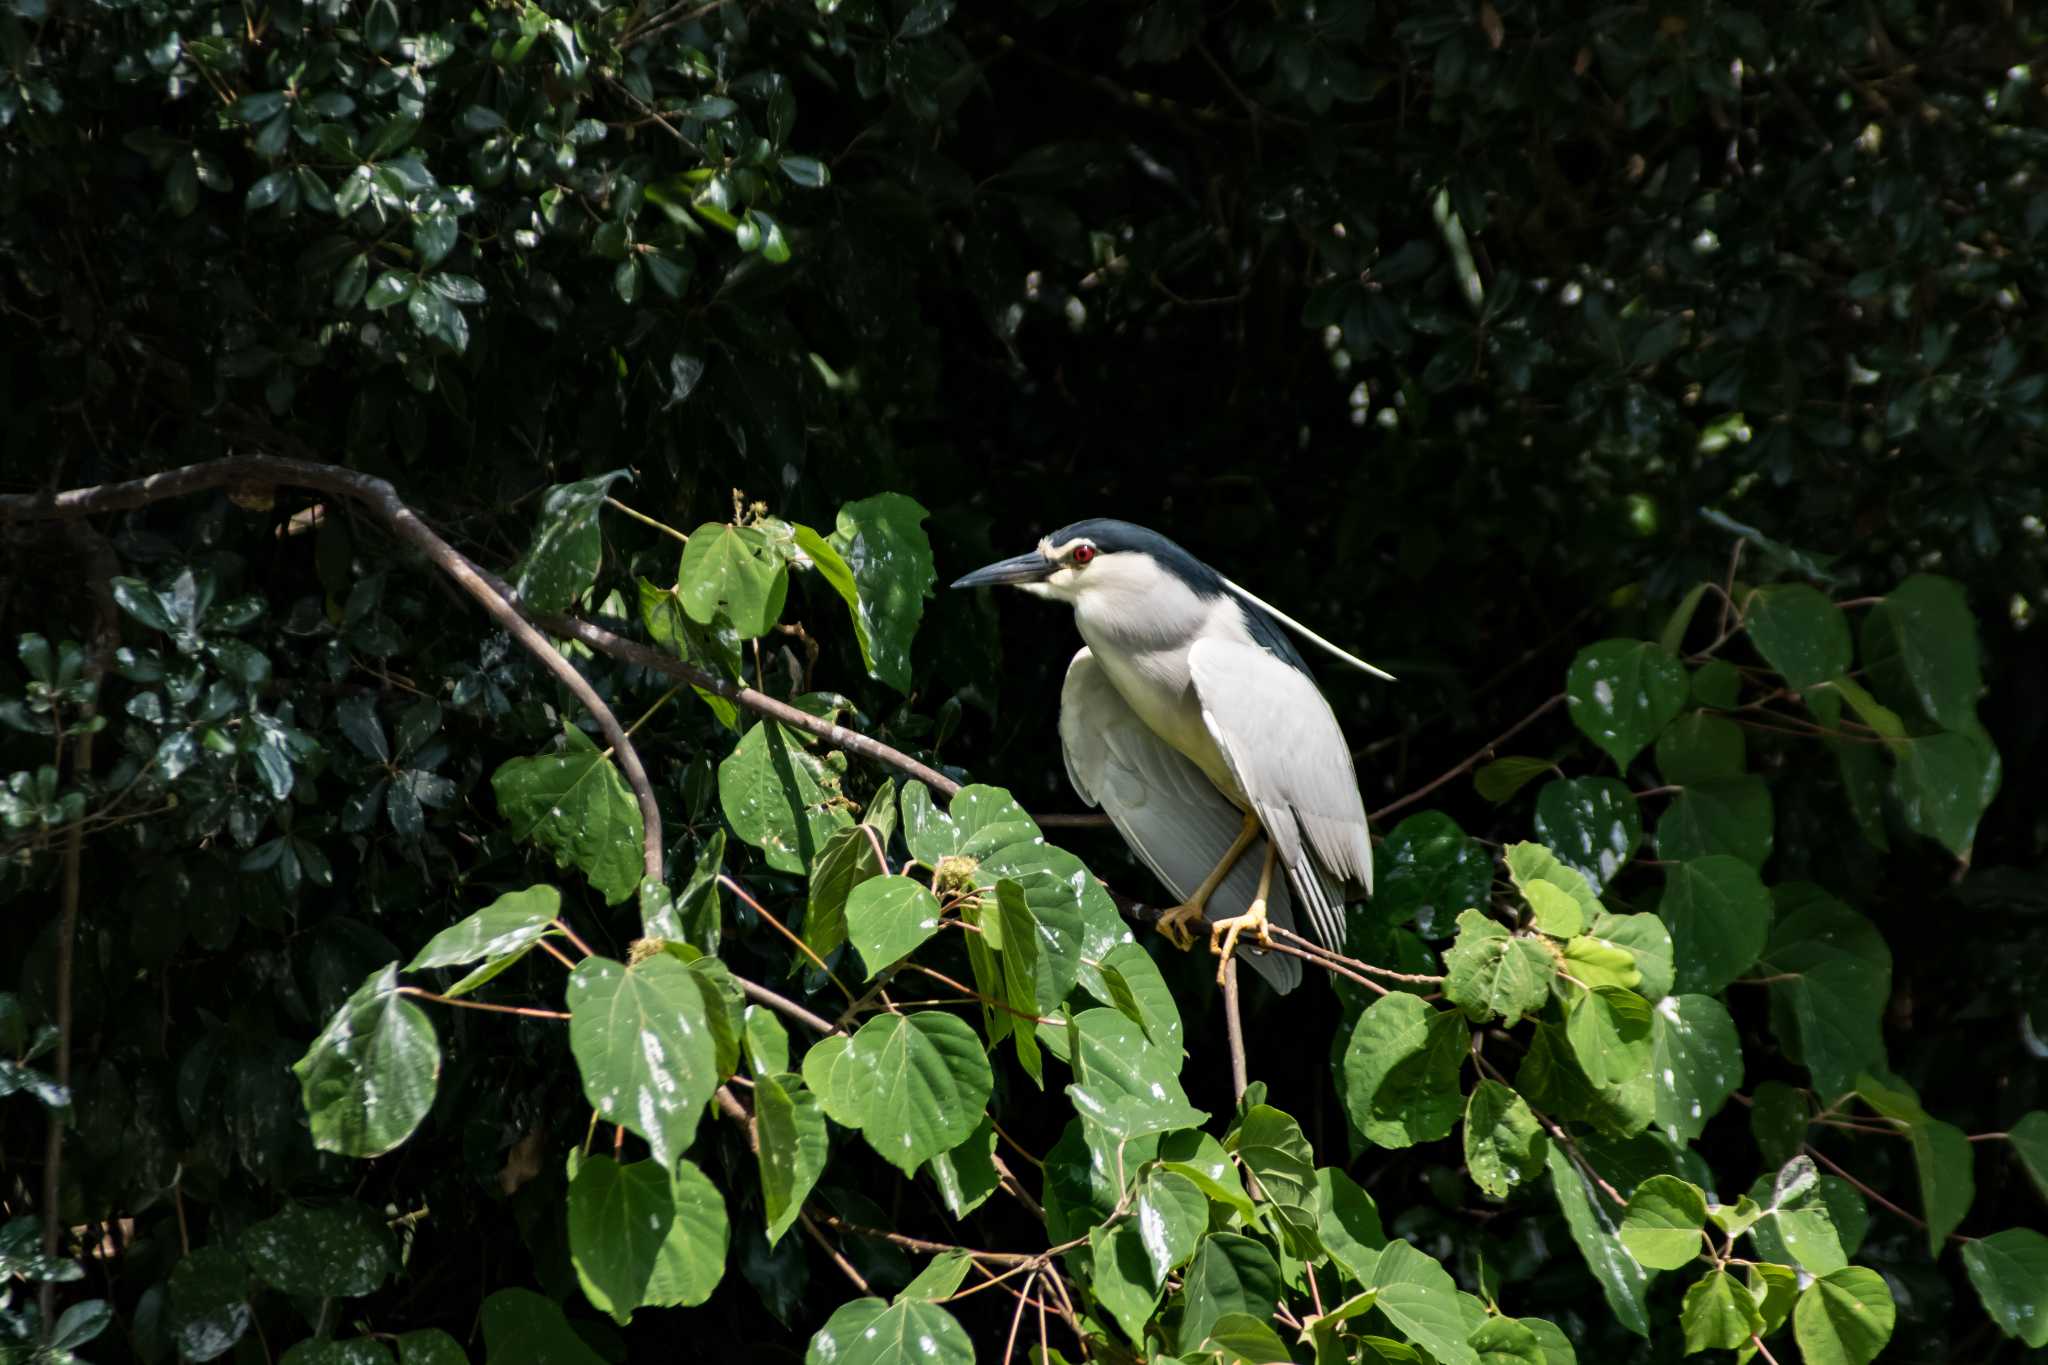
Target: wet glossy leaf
[[567, 546], [369, 1078], [1943, 783], [507, 925], [927, 1082], [574, 804], [1592, 824], [692, 1258], [780, 797], [1920, 649], [792, 1150], [1800, 633], [1595, 1223], [430, 1346], [888, 917], [1699, 747], [1505, 1146], [644, 1046], [209, 1304], [1622, 693], [847, 859], [1121, 1277], [1123, 1085], [883, 543], [2010, 1272], [1278, 1157], [1229, 1274], [1169, 1213], [1719, 916], [1661, 1226], [1830, 1012], [618, 1217], [967, 1176], [339, 1251], [1348, 1224], [907, 1332], [1428, 871], [1695, 1062]]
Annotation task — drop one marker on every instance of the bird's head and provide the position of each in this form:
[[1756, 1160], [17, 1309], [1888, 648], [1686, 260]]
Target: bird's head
[[1097, 557]]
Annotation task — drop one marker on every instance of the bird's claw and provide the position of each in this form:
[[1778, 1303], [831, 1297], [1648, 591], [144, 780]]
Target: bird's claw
[[1223, 934], [1178, 925]]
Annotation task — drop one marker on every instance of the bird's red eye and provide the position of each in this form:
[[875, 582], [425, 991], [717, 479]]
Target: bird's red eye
[[1082, 554]]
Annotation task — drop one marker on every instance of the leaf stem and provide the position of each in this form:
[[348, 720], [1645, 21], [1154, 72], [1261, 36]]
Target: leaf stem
[[523, 1010], [645, 520], [729, 884], [786, 1006]]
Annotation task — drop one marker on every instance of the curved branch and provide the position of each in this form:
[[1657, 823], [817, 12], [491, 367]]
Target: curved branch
[[264, 471]]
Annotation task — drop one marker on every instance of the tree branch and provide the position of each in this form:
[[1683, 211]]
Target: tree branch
[[1485, 751]]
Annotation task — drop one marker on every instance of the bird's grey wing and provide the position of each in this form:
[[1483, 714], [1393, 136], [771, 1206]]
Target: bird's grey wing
[[1286, 750], [1168, 811]]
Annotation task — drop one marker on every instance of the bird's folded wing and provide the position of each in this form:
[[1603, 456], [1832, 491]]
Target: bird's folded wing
[[1170, 814], [1288, 753]]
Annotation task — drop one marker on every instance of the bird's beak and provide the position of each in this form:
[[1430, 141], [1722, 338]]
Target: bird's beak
[[1025, 568]]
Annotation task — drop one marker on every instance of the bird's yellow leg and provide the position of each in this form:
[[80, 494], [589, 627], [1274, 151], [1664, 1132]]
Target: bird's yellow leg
[[1223, 933], [1175, 923]]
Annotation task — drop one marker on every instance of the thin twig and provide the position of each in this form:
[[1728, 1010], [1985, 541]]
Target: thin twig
[[755, 991], [1234, 1025], [573, 937], [1416, 978], [645, 520], [729, 884], [459, 1003], [838, 1259], [1868, 1193], [1485, 751]]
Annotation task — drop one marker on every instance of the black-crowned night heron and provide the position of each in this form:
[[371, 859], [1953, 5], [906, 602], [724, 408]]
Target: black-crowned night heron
[[1194, 724]]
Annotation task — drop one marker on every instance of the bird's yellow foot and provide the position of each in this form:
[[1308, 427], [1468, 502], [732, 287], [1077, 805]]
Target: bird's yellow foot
[[1178, 924], [1223, 934]]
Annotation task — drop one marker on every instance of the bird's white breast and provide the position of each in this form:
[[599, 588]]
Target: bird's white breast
[[1141, 639]]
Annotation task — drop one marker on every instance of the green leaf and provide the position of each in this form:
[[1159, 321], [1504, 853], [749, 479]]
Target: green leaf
[[1490, 971], [1830, 1014], [733, 567], [643, 1042], [1242, 1338], [838, 1079], [369, 1078], [1539, 876], [355, 1351], [1844, 1318], [1800, 633], [1622, 693], [1701, 748], [1554, 1081], [1775, 1289], [1595, 1224], [1123, 1085], [1419, 1297], [1593, 963], [1944, 783], [1503, 1341], [1811, 1219], [792, 1151], [981, 821], [1201, 1158], [1719, 1313], [1777, 1120], [765, 1039], [906, 1332], [1016, 947], [780, 797], [1675, 626], [1429, 870], [1279, 1159], [692, 1257], [336, 1252], [927, 1083], [1067, 909], [1661, 1226], [1695, 1062], [1945, 1161], [1228, 1274], [1920, 650], [619, 1216], [1645, 939], [1592, 823], [524, 1328], [882, 540], [847, 859], [1131, 982], [2010, 1271], [1505, 1145], [509, 924], [1348, 1224], [1717, 684], [209, 1304], [1122, 1279], [1728, 815], [940, 1277], [1401, 1071], [888, 917], [567, 547], [1499, 780], [1170, 1213], [1609, 1032], [574, 804], [2029, 1138], [1719, 916]]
